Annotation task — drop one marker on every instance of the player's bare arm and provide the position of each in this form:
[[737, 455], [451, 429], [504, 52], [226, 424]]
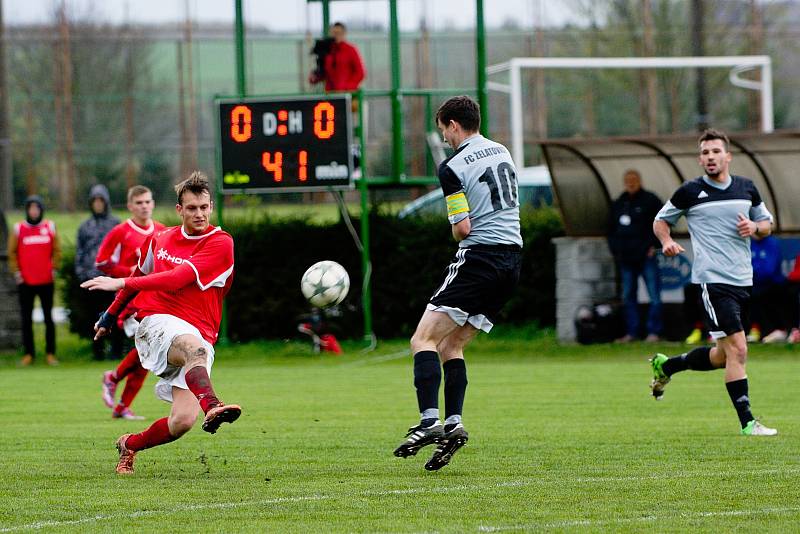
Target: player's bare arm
[[461, 229], [668, 245]]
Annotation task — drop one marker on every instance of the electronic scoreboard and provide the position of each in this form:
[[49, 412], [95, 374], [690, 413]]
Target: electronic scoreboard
[[286, 143]]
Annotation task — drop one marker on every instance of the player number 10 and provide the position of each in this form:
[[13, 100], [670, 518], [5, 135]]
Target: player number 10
[[273, 162]]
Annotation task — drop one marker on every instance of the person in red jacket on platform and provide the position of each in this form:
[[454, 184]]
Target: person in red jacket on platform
[[33, 256], [343, 69]]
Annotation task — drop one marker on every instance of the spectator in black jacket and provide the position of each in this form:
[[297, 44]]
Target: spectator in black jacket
[[633, 244], [91, 233]]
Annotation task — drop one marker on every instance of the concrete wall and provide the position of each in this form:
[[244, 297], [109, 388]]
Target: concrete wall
[[585, 274], [10, 321]]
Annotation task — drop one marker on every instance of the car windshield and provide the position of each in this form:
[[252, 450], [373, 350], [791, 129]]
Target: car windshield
[[534, 192]]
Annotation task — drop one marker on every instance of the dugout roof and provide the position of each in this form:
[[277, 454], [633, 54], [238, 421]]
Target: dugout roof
[[587, 173]]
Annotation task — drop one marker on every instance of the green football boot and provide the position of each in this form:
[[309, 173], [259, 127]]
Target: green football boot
[[754, 428], [660, 378]]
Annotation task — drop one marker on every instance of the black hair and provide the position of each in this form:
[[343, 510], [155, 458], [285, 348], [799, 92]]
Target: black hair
[[461, 109], [711, 134]]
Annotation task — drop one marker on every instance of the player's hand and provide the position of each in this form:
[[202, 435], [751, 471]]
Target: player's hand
[[671, 248], [104, 324], [745, 226], [104, 283], [100, 332], [18, 278]]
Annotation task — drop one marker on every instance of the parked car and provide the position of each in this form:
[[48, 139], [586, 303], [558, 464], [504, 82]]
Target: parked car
[[534, 191]]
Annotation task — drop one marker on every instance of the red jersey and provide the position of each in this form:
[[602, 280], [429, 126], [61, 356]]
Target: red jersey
[[119, 252], [344, 69], [210, 257], [36, 246]]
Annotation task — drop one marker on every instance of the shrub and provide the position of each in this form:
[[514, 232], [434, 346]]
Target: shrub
[[408, 259]]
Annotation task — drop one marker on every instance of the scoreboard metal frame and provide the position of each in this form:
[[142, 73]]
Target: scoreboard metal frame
[[279, 144]]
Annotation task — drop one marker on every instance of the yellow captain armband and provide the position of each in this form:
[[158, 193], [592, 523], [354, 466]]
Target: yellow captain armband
[[456, 203]]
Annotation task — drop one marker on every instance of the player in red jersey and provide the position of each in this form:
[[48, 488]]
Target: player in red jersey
[[183, 274], [117, 257]]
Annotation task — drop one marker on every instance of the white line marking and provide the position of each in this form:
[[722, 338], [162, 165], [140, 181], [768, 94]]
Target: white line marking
[[638, 519], [435, 489], [378, 359], [279, 500]]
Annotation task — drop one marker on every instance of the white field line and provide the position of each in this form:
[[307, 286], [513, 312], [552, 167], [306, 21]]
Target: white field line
[[380, 358], [638, 519], [436, 489]]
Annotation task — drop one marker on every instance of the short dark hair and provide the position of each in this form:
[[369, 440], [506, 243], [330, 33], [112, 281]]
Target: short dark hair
[[137, 191], [196, 183], [339, 24], [711, 134], [461, 109]]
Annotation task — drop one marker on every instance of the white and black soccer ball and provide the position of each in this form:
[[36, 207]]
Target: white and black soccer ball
[[325, 283]]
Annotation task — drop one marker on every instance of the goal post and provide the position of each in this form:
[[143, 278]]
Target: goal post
[[738, 64]]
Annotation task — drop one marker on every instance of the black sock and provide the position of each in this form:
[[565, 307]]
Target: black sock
[[455, 386], [738, 393], [427, 377], [698, 359]]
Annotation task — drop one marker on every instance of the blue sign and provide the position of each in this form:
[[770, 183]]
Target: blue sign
[[675, 272]]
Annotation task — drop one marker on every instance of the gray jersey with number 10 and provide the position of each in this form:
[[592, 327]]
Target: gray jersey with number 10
[[479, 181]]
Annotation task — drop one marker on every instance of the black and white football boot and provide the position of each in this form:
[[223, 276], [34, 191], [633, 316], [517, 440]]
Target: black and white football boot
[[453, 440], [419, 436]]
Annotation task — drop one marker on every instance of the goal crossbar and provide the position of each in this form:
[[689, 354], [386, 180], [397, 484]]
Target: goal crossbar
[[738, 65]]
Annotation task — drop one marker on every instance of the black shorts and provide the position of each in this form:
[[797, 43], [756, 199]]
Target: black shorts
[[477, 283], [727, 308]]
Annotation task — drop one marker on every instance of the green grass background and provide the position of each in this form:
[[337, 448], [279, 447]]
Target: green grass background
[[561, 438]]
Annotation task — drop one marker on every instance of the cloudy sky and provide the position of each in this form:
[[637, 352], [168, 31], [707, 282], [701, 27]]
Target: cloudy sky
[[299, 15]]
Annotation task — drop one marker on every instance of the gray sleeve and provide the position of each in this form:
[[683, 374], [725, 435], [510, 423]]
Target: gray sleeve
[[670, 214], [760, 213]]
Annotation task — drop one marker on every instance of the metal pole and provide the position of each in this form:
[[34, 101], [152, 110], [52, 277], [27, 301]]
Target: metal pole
[[6, 186], [398, 165], [241, 75], [517, 147], [429, 163], [480, 55], [366, 263], [767, 125], [241, 89], [326, 17], [698, 50]]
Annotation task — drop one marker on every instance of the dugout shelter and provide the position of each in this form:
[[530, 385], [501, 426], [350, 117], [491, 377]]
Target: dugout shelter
[[587, 177]]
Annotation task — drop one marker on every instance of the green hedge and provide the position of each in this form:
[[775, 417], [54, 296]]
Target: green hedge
[[408, 257]]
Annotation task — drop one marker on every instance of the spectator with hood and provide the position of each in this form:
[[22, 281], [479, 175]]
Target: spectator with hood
[[33, 257], [91, 233]]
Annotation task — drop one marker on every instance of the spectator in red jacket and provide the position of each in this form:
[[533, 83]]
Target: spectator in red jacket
[[33, 257], [342, 68]]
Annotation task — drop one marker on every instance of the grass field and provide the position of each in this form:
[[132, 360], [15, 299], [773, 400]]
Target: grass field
[[561, 438]]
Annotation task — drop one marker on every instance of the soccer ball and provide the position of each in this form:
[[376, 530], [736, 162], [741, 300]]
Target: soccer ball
[[325, 283]]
